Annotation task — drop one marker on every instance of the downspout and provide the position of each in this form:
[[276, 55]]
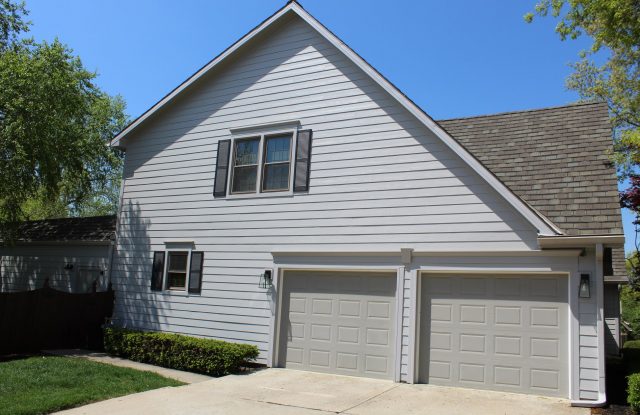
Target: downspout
[[599, 284]]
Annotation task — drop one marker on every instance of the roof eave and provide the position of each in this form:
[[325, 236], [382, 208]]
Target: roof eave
[[564, 241]]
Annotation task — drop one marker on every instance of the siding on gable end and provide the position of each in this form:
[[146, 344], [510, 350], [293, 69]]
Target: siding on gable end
[[379, 180]]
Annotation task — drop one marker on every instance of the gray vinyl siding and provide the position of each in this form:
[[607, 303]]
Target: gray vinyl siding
[[379, 180], [25, 267]]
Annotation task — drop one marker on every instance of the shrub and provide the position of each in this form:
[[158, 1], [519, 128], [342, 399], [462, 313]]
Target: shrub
[[175, 351], [633, 391], [631, 359]]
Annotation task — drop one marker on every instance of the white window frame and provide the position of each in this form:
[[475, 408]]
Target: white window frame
[[262, 135], [165, 273]]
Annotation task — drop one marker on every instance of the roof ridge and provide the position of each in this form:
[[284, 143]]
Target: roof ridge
[[497, 114]]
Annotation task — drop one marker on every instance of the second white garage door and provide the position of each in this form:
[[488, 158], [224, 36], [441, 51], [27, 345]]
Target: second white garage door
[[495, 332], [338, 322]]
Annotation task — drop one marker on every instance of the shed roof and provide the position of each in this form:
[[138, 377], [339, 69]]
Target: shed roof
[[87, 229]]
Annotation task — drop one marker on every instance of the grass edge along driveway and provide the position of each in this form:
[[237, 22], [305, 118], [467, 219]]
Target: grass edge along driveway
[[44, 384]]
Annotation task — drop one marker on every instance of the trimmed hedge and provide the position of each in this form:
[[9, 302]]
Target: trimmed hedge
[[175, 351], [631, 358], [633, 391]]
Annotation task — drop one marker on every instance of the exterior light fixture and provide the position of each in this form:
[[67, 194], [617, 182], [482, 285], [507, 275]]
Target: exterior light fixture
[[584, 291], [266, 280]]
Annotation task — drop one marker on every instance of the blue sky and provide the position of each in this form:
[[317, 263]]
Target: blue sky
[[453, 58]]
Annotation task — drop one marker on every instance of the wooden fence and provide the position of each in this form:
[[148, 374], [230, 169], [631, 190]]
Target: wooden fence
[[49, 319]]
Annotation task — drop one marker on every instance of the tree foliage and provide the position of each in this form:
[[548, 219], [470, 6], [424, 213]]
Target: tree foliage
[[11, 22], [614, 27], [55, 123]]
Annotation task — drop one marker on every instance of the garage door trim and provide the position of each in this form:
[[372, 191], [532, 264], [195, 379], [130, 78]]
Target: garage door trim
[[572, 323], [273, 357]]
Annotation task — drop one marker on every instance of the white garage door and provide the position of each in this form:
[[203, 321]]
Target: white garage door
[[339, 323], [504, 333]]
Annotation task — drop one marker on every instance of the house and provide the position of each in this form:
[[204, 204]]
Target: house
[[289, 196], [72, 253]]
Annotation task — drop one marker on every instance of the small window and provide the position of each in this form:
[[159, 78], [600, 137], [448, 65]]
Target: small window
[[261, 164], [177, 270]]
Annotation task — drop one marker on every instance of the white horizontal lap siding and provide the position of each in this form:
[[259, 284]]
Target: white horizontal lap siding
[[379, 180], [25, 267]]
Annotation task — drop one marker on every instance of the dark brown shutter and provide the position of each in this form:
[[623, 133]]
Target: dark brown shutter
[[157, 271], [303, 161], [195, 273], [608, 262], [222, 169]]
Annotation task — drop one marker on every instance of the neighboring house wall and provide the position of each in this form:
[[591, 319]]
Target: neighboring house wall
[[25, 267], [379, 180]]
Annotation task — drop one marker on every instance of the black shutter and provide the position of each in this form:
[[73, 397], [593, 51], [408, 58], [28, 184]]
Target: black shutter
[[608, 262], [195, 273], [157, 271], [303, 161], [222, 169]]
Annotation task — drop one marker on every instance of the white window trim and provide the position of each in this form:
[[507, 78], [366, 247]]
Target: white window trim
[[259, 193], [165, 273]]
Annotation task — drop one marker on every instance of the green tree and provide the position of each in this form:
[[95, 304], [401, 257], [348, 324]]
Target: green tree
[[614, 27], [55, 123], [11, 22]]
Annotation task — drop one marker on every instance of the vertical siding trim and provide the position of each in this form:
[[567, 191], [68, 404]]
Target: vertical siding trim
[[397, 373], [414, 323], [574, 337], [602, 397], [274, 321]]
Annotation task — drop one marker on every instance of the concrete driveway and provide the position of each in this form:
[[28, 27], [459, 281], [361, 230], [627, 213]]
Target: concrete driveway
[[282, 391]]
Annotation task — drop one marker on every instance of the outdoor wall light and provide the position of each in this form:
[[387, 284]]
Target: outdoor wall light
[[584, 291], [266, 280]]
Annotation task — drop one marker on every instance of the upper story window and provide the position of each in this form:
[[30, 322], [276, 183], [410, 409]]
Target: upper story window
[[275, 162], [261, 164]]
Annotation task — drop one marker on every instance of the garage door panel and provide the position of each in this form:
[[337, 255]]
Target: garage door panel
[[506, 333], [339, 323]]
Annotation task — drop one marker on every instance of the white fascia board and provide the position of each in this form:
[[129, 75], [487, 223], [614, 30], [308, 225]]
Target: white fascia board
[[542, 224], [547, 242]]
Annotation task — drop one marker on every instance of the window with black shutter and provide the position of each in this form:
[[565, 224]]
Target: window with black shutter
[[157, 271], [275, 162], [183, 270]]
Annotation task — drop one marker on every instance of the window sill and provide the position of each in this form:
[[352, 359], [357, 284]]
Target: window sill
[[177, 293], [258, 195]]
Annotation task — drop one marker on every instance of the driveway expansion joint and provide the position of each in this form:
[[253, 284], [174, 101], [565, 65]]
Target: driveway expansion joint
[[370, 398]]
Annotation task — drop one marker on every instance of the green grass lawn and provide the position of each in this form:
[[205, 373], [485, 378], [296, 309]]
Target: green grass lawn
[[40, 385]]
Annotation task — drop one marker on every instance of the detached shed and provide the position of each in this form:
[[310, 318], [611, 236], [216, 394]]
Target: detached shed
[[70, 252]]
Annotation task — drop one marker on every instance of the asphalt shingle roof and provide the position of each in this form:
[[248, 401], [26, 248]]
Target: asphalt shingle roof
[[94, 228], [555, 159]]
